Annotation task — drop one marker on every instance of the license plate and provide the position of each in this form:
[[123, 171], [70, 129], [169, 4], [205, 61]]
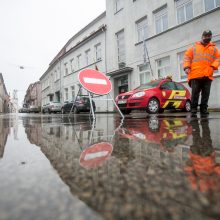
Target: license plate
[[122, 101]]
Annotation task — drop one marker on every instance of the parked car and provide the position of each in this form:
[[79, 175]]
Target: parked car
[[51, 107], [34, 109], [23, 110], [155, 97], [82, 105]]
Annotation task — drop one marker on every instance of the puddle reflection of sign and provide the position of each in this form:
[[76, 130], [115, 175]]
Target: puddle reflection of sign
[[95, 82], [95, 155]]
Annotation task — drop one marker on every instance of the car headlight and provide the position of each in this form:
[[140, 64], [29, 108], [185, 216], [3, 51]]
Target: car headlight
[[138, 94]]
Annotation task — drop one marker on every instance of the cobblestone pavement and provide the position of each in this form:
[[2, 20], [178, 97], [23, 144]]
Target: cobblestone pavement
[[163, 166]]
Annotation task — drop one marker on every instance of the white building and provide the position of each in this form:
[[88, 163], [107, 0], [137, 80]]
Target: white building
[[114, 42], [86, 49], [169, 27]]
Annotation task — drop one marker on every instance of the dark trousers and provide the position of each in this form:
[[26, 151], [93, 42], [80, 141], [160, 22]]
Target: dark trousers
[[202, 85]]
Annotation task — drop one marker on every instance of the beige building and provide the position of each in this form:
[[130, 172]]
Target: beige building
[[4, 97], [33, 95]]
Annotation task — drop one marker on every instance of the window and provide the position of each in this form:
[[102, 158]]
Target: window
[[161, 20], [98, 52], [66, 69], [211, 4], [141, 29], [72, 65], [55, 76], [73, 92], [163, 67], [184, 10], [66, 94], [87, 57], [182, 74], [118, 5], [179, 86], [144, 73], [79, 61], [168, 86], [121, 48]]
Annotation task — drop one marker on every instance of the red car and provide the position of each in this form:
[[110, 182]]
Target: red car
[[155, 96]]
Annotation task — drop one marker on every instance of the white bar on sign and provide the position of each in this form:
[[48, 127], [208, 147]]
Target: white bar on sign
[[91, 156], [95, 81]]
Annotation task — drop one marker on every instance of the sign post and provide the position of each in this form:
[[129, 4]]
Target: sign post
[[95, 83]]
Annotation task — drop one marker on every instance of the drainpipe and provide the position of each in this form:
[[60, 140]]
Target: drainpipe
[[104, 29]]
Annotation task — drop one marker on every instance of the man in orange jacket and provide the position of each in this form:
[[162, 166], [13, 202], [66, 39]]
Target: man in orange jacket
[[199, 63]]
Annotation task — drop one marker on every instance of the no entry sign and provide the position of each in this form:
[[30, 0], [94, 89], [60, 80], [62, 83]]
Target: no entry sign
[[95, 82], [95, 155]]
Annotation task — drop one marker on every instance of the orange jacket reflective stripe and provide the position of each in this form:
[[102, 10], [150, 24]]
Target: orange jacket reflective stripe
[[202, 60]]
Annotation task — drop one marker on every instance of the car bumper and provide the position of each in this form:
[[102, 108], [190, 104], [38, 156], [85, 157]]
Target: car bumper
[[132, 103]]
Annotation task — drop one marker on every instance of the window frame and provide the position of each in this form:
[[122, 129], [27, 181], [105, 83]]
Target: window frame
[[180, 66], [66, 92], [184, 7], [79, 64], [158, 16], [98, 52], [121, 49], [145, 72], [162, 67], [215, 6], [141, 28], [87, 57], [117, 8]]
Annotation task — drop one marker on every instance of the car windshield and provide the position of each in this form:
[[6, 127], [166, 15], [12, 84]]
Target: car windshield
[[149, 85]]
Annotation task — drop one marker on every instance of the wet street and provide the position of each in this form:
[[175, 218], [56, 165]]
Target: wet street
[[158, 167]]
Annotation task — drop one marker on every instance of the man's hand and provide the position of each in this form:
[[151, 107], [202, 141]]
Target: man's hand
[[187, 71]]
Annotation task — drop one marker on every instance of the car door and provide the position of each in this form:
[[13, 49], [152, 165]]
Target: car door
[[69, 106], [168, 90], [180, 95]]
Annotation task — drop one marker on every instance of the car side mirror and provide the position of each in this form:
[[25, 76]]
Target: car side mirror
[[162, 87]]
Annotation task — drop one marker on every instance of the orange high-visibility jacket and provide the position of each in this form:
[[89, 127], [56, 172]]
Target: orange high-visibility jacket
[[202, 60]]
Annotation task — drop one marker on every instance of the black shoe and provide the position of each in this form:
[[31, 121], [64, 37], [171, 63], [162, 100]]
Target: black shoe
[[205, 112], [193, 115]]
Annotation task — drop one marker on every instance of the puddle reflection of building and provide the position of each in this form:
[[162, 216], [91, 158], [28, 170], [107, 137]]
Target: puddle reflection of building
[[122, 186], [4, 131], [202, 169]]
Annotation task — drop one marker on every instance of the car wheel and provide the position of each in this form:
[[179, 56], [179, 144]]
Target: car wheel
[[126, 112], [75, 110], [187, 107], [153, 106], [153, 124], [49, 111], [62, 111]]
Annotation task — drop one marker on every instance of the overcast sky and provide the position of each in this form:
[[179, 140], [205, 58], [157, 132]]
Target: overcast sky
[[32, 33]]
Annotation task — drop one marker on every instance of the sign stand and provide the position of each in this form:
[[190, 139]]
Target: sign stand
[[95, 83]]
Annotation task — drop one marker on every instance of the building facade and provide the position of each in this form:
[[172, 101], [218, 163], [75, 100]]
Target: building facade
[[147, 39], [33, 95], [86, 49], [133, 42], [4, 97]]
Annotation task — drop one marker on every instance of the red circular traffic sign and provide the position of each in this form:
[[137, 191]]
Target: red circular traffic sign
[[95, 155], [95, 81]]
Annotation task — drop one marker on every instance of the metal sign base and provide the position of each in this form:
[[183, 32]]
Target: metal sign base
[[91, 97]]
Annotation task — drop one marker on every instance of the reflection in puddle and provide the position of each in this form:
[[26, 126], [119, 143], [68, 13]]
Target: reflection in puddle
[[202, 169], [140, 169]]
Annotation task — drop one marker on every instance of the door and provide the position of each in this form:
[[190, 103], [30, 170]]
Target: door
[[169, 95]]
